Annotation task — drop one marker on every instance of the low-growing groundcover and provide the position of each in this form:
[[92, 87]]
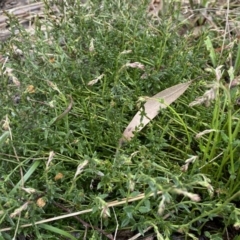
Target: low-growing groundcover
[[69, 91]]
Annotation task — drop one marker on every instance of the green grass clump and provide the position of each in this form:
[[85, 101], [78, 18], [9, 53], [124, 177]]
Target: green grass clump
[[58, 159]]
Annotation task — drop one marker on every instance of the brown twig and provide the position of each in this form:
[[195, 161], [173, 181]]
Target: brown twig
[[66, 111]]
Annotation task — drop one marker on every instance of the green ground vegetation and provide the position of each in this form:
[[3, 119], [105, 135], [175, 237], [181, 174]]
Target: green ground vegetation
[[60, 131]]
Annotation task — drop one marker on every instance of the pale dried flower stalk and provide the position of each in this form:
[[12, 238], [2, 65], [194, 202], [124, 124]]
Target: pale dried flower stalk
[[6, 123], [19, 210], [199, 135], [192, 159], [91, 46], [218, 73], [210, 94], [131, 185], [50, 158], [135, 65], [207, 97], [192, 196], [94, 81], [125, 52], [161, 206], [54, 86], [80, 168], [29, 190]]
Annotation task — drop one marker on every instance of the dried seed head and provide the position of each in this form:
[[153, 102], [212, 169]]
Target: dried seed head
[[30, 89], [41, 202], [58, 176]]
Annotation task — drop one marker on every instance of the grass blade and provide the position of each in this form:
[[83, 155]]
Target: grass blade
[[237, 62], [27, 175], [57, 230]]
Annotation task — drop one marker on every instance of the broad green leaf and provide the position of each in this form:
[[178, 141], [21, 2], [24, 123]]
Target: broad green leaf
[[143, 209]]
